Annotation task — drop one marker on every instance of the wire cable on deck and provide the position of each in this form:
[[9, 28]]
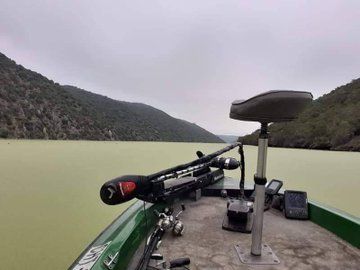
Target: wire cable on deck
[[242, 171]]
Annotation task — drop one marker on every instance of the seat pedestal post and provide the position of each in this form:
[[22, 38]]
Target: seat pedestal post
[[260, 181], [259, 254]]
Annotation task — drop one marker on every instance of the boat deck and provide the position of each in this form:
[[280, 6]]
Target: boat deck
[[298, 244]]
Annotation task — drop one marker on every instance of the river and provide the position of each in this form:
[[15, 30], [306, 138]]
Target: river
[[49, 196]]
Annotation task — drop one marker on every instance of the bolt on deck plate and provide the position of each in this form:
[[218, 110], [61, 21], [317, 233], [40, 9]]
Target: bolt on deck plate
[[267, 256]]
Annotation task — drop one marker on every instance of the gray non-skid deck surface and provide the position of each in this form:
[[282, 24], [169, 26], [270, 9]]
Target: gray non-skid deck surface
[[298, 244]]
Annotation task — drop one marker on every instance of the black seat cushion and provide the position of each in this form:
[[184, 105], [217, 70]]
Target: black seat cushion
[[272, 106]]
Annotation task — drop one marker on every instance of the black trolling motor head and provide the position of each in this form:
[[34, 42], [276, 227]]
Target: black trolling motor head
[[124, 188]]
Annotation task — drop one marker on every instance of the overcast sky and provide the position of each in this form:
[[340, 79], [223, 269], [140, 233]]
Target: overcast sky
[[188, 58]]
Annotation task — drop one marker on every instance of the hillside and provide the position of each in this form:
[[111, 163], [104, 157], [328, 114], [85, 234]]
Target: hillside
[[34, 107], [331, 122]]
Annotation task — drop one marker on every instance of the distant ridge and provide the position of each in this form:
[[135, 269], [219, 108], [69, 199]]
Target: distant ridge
[[331, 122], [228, 138], [34, 107]]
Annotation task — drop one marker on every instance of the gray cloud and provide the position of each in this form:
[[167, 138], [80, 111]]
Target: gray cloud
[[189, 58]]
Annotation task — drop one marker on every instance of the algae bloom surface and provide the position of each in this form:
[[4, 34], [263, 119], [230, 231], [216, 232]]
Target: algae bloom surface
[[49, 197]]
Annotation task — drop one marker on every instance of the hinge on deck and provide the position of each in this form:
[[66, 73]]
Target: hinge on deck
[[111, 260]]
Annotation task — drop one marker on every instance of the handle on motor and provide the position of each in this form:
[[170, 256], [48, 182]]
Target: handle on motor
[[179, 262]]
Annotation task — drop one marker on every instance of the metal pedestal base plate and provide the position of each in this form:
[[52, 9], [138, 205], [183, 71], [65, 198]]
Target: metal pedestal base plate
[[267, 256]]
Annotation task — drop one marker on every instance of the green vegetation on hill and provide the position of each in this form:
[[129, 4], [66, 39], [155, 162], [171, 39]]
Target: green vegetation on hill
[[34, 107], [331, 122]]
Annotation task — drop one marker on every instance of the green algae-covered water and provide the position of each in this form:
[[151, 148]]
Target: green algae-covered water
[[49, 195]]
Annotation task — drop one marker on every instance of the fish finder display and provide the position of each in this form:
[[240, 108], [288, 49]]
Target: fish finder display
[[297, 200], [273, 187], [296, 204]]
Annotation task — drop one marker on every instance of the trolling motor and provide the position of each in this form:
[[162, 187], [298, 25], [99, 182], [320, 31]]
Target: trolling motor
[[269, 107], [182, 179]]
